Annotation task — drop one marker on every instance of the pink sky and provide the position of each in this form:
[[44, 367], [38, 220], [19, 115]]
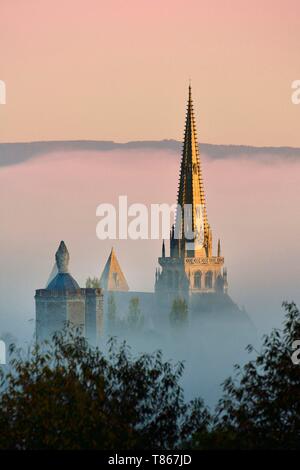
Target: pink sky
[[78, 69]]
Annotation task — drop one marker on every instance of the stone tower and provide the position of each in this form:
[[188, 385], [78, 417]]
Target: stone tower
[[191, 267], [112, 277], [64, 301]]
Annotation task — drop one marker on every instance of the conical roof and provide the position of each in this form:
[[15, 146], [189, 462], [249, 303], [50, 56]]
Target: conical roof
[[112, 277]]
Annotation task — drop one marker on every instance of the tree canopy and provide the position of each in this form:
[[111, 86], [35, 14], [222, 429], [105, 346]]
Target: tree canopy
[[67, 395], [260, 406]]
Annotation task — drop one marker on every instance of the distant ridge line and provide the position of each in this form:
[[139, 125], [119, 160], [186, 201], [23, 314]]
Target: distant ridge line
[[15, 153]]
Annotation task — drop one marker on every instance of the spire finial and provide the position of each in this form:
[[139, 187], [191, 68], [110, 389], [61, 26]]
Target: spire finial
[[190, 90], [62, 258]]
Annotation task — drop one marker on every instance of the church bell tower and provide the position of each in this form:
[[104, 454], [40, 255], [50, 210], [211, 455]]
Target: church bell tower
[[191, 267]]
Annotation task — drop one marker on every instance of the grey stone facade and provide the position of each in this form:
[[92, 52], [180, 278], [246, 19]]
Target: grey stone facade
[[63, 301]]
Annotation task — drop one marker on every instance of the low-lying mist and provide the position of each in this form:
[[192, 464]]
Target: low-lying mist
[[253, 207]]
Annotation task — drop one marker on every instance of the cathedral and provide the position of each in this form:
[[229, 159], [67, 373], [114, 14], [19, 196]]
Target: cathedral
[[191, 267], [191, 272]]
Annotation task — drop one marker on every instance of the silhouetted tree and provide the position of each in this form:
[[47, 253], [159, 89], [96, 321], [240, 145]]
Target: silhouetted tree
[[179, 312], [260, 407], [92, 283], [66, 395], [135, 318]]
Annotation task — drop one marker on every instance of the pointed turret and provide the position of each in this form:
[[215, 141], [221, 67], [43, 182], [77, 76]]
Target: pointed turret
[[63, 280], [219, 248], [62, 258], [112, 277], [191, 195]]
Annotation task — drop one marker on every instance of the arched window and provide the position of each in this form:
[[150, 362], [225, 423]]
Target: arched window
[[208, 280], [170, 279], [197, 280]]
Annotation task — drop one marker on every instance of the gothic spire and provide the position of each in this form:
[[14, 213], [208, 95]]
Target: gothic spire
[[191, 190]]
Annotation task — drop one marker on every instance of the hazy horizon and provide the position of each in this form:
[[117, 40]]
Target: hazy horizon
[[252, 208], [12, 153]]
